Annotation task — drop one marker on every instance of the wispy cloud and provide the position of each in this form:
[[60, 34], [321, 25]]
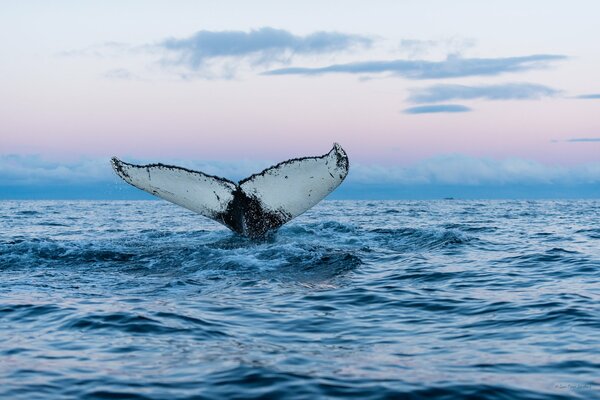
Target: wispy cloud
[[418, 47], [262, 46], [119, 74], [506, 91], [584, 140], [437, 108], [106, 49], [220, 54], [451, 67], [223, 54], [589, 96]]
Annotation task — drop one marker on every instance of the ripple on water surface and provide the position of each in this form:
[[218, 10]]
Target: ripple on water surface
[[415, 299]]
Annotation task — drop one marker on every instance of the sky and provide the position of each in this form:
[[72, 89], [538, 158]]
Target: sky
[[430, 99]]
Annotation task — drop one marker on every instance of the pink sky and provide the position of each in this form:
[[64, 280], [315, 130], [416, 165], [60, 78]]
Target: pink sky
[[101, 100]]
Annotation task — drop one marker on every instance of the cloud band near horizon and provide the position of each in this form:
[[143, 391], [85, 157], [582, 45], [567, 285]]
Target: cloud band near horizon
[[446, 169]]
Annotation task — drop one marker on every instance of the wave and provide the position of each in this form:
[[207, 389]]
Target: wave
[[191, 252], [414, 239], [160, 323], [260, 382], [592, 233], [461, 299]]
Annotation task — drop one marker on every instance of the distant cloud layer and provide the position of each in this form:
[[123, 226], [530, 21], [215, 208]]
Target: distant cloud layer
[[459, 169], [452, 67], [263, 46], [589, 96], [18, 169], [437, 108], [584, 140], [33, 171], [506, 91]]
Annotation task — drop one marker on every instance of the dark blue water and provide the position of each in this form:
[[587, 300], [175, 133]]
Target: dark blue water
[[372, 300]]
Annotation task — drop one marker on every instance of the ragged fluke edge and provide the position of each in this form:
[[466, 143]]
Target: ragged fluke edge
[[253, 206]]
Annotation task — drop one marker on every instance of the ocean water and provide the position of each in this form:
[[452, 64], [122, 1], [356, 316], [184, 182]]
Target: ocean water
[[371, 300]]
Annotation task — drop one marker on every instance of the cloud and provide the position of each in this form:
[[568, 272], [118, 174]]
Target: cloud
[[583, 140], [27, 176], [451, 67], [457, 169], [222, 54], [34, 169], [106, 49], [437, 108], [506, 91], [418, 47], [119, 74], [589, 96], [262, 46]]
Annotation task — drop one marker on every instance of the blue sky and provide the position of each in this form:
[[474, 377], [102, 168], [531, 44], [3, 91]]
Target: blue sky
[[429, 98]]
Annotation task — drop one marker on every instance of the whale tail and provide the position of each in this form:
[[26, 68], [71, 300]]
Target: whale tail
[[253, 206]]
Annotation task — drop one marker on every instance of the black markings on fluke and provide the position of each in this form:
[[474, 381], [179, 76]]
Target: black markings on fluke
[[247, 216], [246, 213]]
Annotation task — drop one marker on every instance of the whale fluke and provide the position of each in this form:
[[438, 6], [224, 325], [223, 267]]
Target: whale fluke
[[253, 206]]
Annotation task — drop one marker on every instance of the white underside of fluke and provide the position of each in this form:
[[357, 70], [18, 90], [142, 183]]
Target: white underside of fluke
[[259, 203], [203, 194], [295, 186]]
